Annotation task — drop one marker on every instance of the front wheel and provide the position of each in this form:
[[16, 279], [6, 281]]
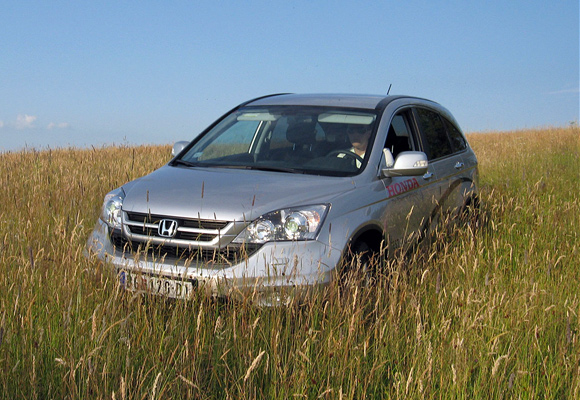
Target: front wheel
[[360, 266]]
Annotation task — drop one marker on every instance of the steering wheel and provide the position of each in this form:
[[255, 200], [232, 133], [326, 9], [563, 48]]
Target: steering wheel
[[347, 153]]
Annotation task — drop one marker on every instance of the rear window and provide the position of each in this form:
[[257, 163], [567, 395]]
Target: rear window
[[457, 140]]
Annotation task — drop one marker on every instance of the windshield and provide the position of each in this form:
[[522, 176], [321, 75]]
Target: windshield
[[311, 140]]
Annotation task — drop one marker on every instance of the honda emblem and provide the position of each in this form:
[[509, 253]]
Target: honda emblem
[[167, 228]]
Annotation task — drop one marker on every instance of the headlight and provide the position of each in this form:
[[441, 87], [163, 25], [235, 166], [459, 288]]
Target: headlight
[[299, 223], [111, 212]]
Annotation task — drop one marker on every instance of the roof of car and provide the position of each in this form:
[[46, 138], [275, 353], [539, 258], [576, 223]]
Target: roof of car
[[365, 101]]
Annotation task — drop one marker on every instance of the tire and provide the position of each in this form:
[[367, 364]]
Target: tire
[[359, 266]]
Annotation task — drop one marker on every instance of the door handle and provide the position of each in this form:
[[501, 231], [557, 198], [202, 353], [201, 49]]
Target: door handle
[[459, 165], [428, 176]]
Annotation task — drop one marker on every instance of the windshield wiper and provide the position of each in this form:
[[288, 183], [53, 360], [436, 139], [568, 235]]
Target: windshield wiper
[[183, 162], [259, 168], [248, 167], [275, 169]]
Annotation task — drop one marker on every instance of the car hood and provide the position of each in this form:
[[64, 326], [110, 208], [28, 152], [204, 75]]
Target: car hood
[[227, 194]]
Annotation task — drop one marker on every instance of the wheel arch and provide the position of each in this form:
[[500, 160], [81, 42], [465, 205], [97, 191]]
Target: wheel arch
[[372, 235]]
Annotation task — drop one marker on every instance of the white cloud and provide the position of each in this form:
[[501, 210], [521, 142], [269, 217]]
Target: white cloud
[[566, 91], [1, 124], [25, 121], [59, 125]]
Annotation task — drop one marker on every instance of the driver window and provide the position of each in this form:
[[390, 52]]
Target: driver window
[[399, 135]]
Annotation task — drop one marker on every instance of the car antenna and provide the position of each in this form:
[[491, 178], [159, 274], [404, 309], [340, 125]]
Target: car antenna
[[389, 91]]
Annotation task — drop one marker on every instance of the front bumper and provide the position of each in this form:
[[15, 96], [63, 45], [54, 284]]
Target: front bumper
[[275, 269]]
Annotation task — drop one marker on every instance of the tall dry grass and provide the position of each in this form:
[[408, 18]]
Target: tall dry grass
[[488, 311]]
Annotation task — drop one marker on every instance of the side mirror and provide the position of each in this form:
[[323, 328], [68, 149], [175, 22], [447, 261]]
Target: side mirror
[[177, 147], [407, 163]]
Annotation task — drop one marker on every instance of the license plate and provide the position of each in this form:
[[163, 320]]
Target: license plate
[[157, 284]]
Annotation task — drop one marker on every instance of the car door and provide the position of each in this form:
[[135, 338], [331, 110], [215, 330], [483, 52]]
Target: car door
[[447, 163], [408, 197]]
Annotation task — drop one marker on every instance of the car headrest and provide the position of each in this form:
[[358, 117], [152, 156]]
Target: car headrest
[[301, 133]]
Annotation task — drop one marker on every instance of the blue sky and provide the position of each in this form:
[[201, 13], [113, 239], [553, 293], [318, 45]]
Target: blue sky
[[86, 73]]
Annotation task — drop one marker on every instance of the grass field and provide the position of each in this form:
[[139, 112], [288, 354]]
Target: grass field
[[491, 312]]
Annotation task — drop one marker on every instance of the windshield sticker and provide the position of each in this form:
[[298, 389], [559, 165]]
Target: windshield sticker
[[402, 187]]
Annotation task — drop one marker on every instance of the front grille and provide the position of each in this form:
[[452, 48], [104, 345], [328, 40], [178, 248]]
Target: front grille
[[229, 255], [196, 239], [192, 236], [143, 227], [208, 224]]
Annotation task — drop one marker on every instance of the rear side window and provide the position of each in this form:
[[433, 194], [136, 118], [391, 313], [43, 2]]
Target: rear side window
[[434, 133], [456, 137]]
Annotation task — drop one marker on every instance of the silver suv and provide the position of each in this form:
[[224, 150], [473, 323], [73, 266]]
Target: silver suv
[[278, 192]]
